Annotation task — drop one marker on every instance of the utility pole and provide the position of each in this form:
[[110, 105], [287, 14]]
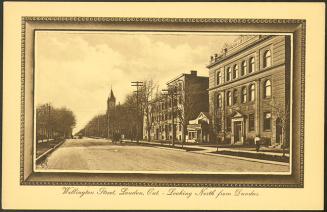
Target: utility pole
[[137, 84]]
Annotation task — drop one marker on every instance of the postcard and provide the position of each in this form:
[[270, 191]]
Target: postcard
[[164, 111]]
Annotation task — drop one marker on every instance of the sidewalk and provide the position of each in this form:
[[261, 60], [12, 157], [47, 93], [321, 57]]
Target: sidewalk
[[261, 156], [205, 148], [45, 148]]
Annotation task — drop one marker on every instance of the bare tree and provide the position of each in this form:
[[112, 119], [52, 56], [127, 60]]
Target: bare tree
[[282, 113], [147, 94], [186, 104]]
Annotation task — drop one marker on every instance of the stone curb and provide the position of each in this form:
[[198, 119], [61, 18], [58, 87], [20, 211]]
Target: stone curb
[[49, 151]]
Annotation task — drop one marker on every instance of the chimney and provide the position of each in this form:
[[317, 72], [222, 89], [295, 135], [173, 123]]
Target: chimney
[[225, 51], [193, 72]]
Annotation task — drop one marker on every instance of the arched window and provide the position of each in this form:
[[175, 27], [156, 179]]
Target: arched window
[[235, 71], [229, 74], [235, 96], [218, 77], [251, 66], [267, 88], [219, 103], [243, 68], [229, 98], [251, 92], [244, 93], [267, 59]]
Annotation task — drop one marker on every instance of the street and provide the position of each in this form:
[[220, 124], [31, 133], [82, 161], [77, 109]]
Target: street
[[101, 154]]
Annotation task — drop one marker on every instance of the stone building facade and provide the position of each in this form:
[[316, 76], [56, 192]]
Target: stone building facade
[[249, 90], [187, 96]]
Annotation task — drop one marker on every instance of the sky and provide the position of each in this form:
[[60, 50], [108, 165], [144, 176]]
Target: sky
[[76, 69]]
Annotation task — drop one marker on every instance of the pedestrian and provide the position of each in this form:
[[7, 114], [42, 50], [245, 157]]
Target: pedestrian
[[257, 142]]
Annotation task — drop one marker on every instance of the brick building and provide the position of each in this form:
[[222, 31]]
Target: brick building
[[187, 96], [249, 90]]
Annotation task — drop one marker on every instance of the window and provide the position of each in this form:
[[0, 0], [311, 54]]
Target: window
[[267, 121], [228, 124], [267, 88], [235, 97], [229, 98], [243, 68], [251, 66], [251, 92], [219, 101], [244, 93], [228, 74], [235, 71], [218, 77], [267, 59], [251, 122]]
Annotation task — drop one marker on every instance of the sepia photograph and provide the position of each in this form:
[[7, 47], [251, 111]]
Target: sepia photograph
[[138, 101], [162, 102], [173, 106]]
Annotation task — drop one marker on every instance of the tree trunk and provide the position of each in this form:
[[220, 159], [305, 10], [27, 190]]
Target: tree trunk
[[149, 134]]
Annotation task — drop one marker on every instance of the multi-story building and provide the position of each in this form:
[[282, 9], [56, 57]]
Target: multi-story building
[[186, 97], [249, 90]]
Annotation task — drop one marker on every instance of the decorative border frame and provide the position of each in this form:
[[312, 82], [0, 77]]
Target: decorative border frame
[[78, 179]]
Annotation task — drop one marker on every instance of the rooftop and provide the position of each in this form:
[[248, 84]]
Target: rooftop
[[237, 45]]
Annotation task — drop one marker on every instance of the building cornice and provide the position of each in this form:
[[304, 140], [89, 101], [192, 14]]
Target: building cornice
[[241, 50]]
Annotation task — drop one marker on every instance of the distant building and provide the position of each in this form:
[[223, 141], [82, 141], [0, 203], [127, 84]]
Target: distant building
[[249, 90], [190, 97]]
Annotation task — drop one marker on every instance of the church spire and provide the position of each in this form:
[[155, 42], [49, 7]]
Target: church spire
[[111, 102], [112, 96]]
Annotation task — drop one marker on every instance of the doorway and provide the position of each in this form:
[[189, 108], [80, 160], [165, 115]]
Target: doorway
[[237, 131]]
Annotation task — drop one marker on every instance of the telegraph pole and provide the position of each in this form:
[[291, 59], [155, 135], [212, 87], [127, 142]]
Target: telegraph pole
[[137, 84]]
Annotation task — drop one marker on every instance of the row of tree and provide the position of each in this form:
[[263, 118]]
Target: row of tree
[[123, 118], [52, 123], [137, 111]]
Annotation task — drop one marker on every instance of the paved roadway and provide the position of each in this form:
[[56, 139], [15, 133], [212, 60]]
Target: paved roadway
[[101, 154]]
